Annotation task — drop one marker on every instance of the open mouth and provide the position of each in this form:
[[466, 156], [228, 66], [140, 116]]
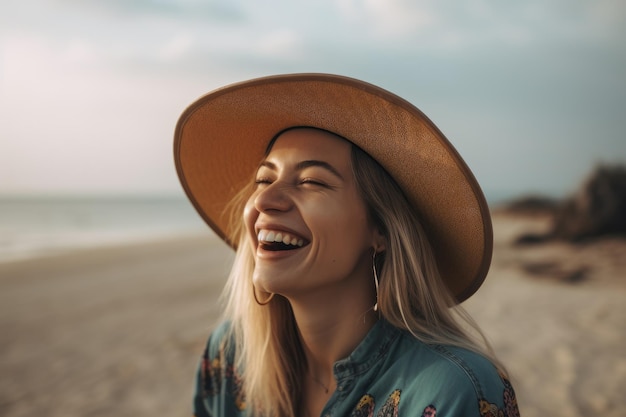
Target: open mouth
[[276, 246], [279, 241]]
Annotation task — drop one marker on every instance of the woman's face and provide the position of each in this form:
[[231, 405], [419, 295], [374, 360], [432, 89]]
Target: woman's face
[[308, 227]]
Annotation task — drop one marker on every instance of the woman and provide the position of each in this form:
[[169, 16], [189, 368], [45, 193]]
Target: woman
[[358, 229]]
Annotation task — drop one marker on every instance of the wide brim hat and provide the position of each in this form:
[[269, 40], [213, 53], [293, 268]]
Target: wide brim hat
[[221, 138]]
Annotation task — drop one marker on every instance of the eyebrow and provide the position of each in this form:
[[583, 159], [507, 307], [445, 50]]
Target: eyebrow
[[306, 164]]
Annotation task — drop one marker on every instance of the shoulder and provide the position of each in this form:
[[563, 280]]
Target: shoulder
[[468, 367], [219, 342], [453, 380], [218, 358], [218, 381]]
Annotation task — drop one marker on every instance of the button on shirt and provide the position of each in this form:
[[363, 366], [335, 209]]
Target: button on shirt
[[390, 373]]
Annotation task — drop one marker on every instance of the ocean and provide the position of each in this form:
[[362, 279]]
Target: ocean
[[35, 226]]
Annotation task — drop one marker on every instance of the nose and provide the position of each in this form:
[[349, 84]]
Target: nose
[[274, 196]]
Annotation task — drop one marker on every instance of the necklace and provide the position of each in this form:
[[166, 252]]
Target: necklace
[[318, 382]]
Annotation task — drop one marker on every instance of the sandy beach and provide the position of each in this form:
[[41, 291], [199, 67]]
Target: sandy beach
[[118, 331]]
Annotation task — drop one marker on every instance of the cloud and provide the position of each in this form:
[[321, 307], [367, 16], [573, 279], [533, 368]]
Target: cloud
[[176, 47], [454, 26], [278, 44], [107, 78], [389, 18], [171, 9]]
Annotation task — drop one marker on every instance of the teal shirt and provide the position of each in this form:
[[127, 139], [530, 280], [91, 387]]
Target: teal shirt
[[390, 373]]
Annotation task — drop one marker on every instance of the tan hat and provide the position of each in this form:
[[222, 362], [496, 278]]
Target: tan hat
[[221, 138]]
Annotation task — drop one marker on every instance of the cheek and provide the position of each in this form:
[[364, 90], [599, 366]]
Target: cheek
[[347, 228], [250, 214]]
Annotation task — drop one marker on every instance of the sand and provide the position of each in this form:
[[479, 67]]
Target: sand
[[564, 342], [115, 332], [118, 331]]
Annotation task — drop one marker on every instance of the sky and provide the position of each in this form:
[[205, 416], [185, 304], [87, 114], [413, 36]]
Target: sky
[[532, 93]]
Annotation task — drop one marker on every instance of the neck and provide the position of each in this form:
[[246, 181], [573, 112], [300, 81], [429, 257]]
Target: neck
[[330, 330]]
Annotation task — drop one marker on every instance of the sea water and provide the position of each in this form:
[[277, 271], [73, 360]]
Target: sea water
[[31, 227], [35, 226]]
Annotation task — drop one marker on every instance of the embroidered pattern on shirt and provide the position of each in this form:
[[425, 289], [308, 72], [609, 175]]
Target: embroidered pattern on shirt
[[214, 371], [511, 408], [429, 411], [509, 401], [367, 403]]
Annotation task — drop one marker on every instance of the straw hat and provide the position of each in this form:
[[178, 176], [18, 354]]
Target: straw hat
[[221, 138]]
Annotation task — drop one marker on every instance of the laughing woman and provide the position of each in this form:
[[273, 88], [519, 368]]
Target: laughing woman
[[358, 230]]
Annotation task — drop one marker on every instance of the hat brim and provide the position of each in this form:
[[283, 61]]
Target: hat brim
[[221, 138]]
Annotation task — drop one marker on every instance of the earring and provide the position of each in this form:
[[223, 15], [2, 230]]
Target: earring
[[257, 300], [375, 279]]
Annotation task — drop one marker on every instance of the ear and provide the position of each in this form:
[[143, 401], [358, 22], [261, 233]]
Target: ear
[[379, 241]]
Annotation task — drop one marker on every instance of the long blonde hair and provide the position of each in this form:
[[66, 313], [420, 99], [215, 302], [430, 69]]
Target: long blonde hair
[[411, 297]]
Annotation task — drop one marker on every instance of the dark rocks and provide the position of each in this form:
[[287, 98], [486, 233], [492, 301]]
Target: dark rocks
[[532, 204], [597, 209]]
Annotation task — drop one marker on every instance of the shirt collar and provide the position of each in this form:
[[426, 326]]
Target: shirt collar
[[372, 348]]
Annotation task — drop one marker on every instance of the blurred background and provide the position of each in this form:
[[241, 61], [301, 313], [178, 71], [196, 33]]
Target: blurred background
[[109, 279]]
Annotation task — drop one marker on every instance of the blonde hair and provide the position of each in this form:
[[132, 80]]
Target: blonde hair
[[411, 297]]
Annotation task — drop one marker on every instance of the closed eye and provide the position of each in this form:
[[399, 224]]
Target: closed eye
[[314, 182], [262, 180]]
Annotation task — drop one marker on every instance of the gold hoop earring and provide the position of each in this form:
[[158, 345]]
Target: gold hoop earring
[[257, 300], [375, 278]]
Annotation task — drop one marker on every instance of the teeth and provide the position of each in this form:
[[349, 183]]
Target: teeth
[[279, 237]]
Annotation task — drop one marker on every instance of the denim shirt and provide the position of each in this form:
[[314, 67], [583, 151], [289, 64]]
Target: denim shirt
[[390, 373]]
